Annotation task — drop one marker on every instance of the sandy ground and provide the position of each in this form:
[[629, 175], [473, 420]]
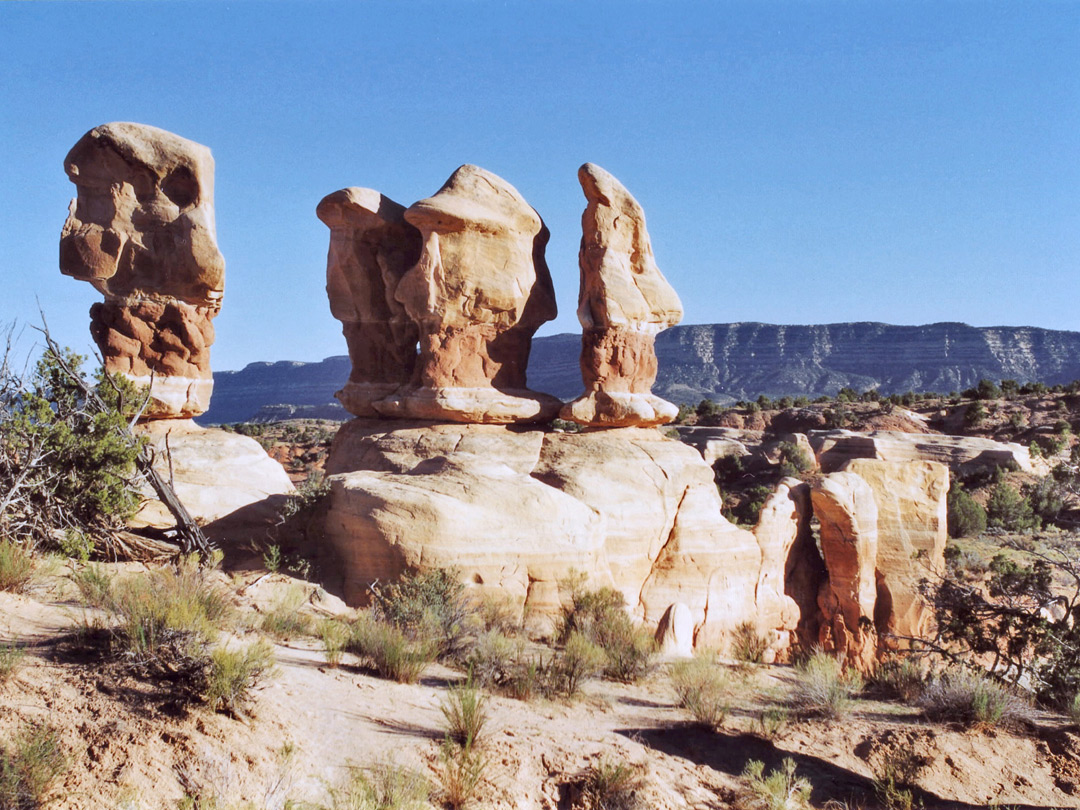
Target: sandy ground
[[131, 748]]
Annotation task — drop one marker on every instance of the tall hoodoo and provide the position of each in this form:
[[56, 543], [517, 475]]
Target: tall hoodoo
[[623, 302], [141, 230], [479, 291], [371, 248]]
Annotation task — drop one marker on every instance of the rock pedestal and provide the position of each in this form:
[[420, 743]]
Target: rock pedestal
[[478, 292], [623, 302], [515, 510], [371, 248], [141, 230]]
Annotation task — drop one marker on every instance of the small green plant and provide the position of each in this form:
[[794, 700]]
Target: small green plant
[[703, 689], [974, 700], [389, 651], [427, 605], [94, 584], [893, 781], [1007, 509], [384, 787], [771, 720], [76, 544], [29, 766], [747, 645], [284, 619], [600, 617], [462, 771], [578, 661], [612, 786], [465, 711], [16, 566], [334, 635], [272, 558], [823, 687], [234, 673], [780, 789], [966, 518], [11, 658], [900, 678]]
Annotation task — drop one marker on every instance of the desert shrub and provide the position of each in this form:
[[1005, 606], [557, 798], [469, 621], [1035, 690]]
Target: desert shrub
[[794, 459], [29, 766], [94, 585], [771, 720], [966, 517], [334, 635], [491, 658], [11, 658], [387, 649], [899, 678], [748, 510], [234, 673], [702, 688], [16, 566], [272, 558], [974, 414], [1074, 708], [384, 787], [747, 645], [499, 614], [600, 617], [465, 711], [63, 463], [284, 619], [608, 785], [893, 781], [823, 687], [578, 661], [973, 699], [427, 605], [837, 417], [76, 544], [462, 770], [1007, 509], [1046, 499], [781, 789]]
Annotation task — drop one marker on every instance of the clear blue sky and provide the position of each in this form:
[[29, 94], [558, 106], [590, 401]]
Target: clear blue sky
[[798, 162]]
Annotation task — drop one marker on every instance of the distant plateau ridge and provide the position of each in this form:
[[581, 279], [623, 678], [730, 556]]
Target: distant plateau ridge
[[724, 362]]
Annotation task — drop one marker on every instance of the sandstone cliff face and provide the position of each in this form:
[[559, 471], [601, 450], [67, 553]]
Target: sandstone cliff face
[[141, 231], [835, 448], [515, 510]]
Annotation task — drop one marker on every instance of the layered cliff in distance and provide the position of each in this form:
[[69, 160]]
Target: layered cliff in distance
[[726, 362]]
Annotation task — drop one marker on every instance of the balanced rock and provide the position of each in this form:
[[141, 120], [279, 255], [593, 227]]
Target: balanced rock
[[845, 508], [141, 230], [623, 302], [478, 292], [371, 248], [912, 531]]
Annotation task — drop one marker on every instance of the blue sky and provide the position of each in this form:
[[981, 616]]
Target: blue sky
[[801, 162]]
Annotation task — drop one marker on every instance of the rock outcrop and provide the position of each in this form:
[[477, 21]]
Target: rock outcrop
[[835, 447], [845, 508], [226, 481], [623, 302], [911, 507], [478, 292], [371, 248], [141, 231], [516, 509]]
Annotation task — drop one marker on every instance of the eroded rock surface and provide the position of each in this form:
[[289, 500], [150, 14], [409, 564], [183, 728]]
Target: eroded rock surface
[[516, 509], [912, 532], [845, 508], [835, 447], [623, 302], [478, 292], [371, 249], [141, 231]]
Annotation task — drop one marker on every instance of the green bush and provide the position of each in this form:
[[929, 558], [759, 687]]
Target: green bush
[[234, 673], [16, 566], [703, 689], [383, 787], [462, 770], [284, 619], [975, 700], [389, 651], [823, 687], [29, 767], [1047, 500], [781, 789], [899, 678], [794, 459], [427, 606], [1007, 509], [11, 658], [578, 661], [611, 785], [966, 518], [465, 711], [600, 617], [334, 635], [747, 645]]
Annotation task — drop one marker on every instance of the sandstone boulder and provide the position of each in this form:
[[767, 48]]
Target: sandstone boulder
[[845, 508], [675, 633], [912, 532], [478, 292], [623, 302], [371, 248], [515, 510], [227, 481], [787, 570], [834, 447], [141, 231]]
